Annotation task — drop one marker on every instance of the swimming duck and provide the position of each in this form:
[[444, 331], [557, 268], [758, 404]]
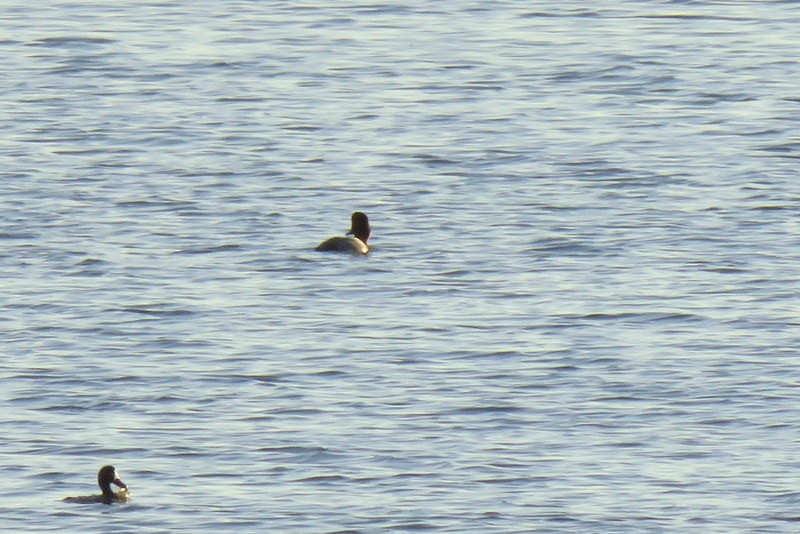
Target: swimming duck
[[359, 229], [105, 477]]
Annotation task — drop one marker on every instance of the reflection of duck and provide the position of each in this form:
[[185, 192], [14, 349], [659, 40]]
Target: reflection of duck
[[359, 229], [105, 477]]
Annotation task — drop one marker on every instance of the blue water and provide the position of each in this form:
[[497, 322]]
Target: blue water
[[580, 315]]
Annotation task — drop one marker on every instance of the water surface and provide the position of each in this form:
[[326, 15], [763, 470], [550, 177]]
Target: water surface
[[581, 310]]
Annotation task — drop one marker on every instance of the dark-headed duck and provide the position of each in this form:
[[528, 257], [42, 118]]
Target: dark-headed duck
[[359, 229], [105, 477]]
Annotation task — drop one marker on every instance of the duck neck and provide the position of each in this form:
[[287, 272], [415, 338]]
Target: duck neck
[[108, 493], [362, 236]]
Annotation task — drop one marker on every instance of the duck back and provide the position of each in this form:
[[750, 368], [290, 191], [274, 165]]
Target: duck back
[[353, 245]]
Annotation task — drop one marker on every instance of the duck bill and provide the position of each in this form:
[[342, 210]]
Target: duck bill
[[117, 482]]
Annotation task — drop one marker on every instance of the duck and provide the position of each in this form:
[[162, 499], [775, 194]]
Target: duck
[[359, 229], [105, 477]]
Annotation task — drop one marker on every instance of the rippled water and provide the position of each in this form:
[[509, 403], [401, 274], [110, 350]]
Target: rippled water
[[581, 313]]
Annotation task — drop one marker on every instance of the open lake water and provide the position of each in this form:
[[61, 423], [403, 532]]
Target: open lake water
[[581, 314]]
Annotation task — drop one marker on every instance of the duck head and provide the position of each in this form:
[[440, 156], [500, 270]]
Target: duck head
[[105, 477], [359, 226]]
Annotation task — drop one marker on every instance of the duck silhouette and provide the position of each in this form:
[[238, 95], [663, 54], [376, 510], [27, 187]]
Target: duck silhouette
[[359, 229], [105, 477]]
